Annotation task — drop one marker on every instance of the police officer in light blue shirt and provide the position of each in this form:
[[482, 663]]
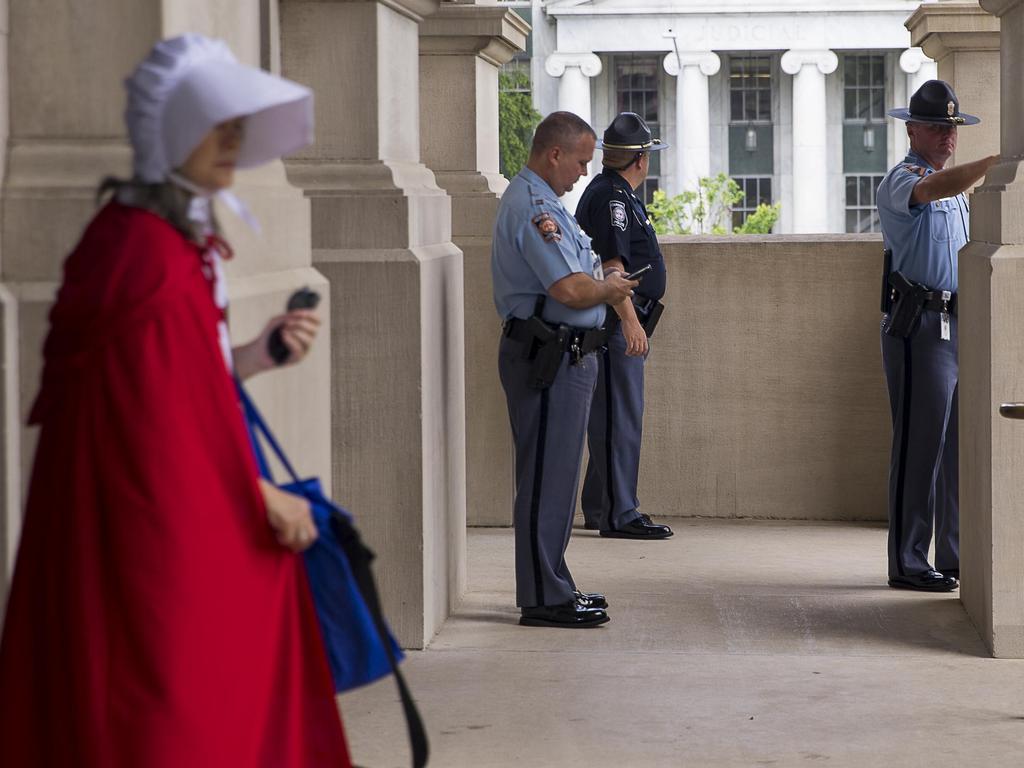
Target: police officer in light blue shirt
[[925, 222], [550, 293]]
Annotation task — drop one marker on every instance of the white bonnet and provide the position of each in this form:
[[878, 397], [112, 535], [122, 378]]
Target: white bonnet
[[189, 84]]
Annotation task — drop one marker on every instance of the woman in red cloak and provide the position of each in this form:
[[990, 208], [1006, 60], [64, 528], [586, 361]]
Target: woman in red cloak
[[159, 615]]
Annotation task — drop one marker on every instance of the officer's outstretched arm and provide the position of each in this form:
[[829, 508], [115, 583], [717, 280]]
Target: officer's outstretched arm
[[950, 181], [581, 291]]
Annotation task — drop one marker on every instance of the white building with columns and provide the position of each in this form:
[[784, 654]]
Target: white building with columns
[[786, 96]]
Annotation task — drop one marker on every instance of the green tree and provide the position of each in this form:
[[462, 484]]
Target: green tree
[[517, 120], [760, 221], [708, 210]]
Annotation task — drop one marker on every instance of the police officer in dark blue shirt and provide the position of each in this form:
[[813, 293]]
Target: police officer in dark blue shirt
[[925, 222], [621, 231]]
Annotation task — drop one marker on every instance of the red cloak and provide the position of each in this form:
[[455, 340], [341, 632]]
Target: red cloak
[[153, 620]]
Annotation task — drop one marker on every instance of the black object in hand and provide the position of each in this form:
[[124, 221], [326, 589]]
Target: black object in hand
[[639, 274], [303, 298]]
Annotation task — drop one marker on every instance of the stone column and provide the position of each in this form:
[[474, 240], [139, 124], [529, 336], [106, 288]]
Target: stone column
[[917, 69], [66, 133], [382, 235], [810, 126], [964, 42], [693, 122], [991, 358], [461, 48], [574, 71]]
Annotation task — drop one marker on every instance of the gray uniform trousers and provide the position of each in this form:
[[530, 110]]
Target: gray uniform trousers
[[614, 434], [548, 428], [924, 484]]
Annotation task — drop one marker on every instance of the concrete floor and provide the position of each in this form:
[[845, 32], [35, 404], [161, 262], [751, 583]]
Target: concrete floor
[[735, 643]]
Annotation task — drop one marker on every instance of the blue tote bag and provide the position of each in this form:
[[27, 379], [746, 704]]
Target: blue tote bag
[[360, 648], [355, 650]]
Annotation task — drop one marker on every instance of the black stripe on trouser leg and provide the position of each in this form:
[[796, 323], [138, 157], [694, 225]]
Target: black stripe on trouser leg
[[901, 474], [609, 467], [538, 480]]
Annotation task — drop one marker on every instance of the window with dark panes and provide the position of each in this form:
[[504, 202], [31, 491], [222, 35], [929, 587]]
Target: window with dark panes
[[757, 190], [751, 132], [861, 213], [864, 87], [750, 89], [637, 89], [864, 137]]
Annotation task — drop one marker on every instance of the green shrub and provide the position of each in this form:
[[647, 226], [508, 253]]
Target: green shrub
[[708, 210]]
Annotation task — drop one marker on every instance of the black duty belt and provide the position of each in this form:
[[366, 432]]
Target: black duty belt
[[933, 301], [579, 341], [936, 303]]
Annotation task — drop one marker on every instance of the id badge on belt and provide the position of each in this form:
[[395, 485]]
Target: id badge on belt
[[944, 332]]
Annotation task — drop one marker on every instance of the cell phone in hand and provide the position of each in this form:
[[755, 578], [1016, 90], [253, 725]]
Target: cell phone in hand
[[639, 274], [304, 298]]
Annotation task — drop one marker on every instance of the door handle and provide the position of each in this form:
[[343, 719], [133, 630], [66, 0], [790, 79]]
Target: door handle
[[1012, 410]]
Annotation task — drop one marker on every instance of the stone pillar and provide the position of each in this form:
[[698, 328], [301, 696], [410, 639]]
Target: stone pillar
[[382, 235], [810, 126], [917, 69], [574, 71], [461, 48], [693, 121], [66, 133], [964, 42], [991, 358]]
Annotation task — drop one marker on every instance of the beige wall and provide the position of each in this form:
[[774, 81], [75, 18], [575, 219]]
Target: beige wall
[[381, 231], [765, 392], [461, 48], [991, 361]]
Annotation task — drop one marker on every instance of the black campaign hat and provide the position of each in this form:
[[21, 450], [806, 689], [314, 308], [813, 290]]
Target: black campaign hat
[[629, 132], [934, 102]]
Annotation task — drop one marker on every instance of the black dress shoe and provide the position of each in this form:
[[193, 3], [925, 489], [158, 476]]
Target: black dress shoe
[[639, 529], [954, 572], [591, 599], [929, 581], [566, 615]]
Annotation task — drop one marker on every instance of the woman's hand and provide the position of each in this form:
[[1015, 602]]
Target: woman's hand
[[298, 331], [290, 517]]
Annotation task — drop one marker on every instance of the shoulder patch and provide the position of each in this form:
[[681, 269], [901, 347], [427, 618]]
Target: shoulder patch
[[547, 227], [915, 169], [618, 213]]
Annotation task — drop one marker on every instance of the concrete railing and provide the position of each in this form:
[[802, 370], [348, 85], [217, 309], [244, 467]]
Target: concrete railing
[[765, 392]]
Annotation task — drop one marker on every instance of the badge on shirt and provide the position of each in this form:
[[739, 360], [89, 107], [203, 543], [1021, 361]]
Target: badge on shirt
[[916, 169], [547, 227], [618, 211]]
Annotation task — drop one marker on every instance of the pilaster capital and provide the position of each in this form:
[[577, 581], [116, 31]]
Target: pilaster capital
[[417, 10], [794, 60], [708, 62], [556, 64], [941, 28], [491, 32], [912, 59]]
